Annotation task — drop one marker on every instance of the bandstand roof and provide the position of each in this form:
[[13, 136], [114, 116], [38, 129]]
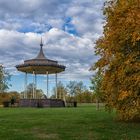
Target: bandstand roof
[[40, 64]]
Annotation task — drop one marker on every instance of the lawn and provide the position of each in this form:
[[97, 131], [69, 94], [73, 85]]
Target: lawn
[[81, 123]]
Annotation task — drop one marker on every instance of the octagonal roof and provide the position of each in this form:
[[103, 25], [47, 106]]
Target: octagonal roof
[[40, 64]]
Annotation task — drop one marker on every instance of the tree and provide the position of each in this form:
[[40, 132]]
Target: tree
[[71, 86], [39, 92], [7, 96], [80, 88], [4, 78], [119, 51], [85, 97], [96, 87], [75, 88], [61, 91]]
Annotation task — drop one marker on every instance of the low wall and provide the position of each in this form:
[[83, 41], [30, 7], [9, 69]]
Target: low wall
[[41, 103]]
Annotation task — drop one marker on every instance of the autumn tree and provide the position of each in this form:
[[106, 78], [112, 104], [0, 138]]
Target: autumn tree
[[7, 96], [85, 97], [119, 51]]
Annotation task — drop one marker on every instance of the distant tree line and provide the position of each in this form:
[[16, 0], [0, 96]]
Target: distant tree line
[[7, 96], [74, 91]]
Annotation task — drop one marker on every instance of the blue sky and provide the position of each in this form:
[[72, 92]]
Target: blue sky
[[69, 29]]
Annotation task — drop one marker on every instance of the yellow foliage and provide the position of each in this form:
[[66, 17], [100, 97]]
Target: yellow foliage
[[119, 51], [123, 95]]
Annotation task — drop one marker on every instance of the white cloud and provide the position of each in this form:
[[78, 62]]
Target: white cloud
[[69, 29], [74, 52], [40, 15], [87, 17]]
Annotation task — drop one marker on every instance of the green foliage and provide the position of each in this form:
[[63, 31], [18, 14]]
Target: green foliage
[[119, 51], [85, 97], [73, 91], [96, 81], [4, 78], [76, 91]]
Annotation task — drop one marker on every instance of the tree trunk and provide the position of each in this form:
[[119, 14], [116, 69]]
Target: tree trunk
[[97, 103]]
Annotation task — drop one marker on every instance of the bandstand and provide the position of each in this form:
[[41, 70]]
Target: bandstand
[[44, 66]]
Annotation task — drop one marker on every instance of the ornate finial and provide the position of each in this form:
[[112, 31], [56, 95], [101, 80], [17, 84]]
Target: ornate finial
[[41, 44], [41, 54]]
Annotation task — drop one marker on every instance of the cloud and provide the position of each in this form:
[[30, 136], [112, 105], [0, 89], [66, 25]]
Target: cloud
[[87, 17], [69, 29], [40, 16], [72, 51], [32, 15]]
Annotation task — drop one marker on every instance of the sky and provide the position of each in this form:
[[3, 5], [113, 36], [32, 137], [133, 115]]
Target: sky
[[69, 29]]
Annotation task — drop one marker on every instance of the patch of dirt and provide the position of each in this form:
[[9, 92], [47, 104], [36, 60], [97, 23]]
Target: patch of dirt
[[47, 136], [42, 134]]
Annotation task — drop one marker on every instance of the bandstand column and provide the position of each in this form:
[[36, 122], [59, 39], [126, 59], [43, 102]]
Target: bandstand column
[[33, 85], [56, 84], [25, 87], [47, 84]]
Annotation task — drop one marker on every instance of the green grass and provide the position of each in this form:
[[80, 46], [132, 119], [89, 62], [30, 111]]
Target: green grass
[[81, 123]]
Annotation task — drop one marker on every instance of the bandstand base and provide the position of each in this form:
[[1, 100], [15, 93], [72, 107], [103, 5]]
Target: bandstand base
[[41, 103]]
